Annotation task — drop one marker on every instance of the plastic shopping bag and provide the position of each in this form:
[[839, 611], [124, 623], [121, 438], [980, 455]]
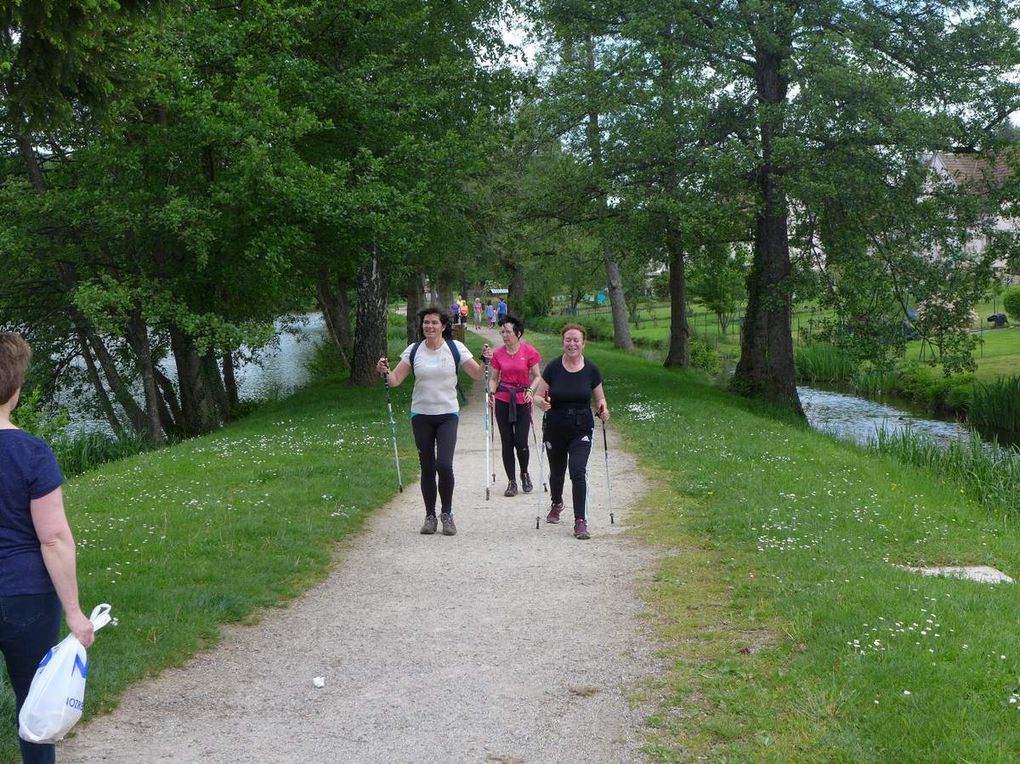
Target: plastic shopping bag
[[57, 695]]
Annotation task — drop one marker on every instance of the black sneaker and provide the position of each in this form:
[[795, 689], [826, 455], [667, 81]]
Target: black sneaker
[[430, 525], [526, 482], [511, 489], [449, 529], [554, 513]]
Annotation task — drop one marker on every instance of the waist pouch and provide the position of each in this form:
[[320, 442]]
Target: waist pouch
[[577, 420]]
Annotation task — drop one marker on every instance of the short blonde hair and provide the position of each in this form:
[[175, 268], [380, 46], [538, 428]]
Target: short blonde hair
[[567, 327], [15, 355]]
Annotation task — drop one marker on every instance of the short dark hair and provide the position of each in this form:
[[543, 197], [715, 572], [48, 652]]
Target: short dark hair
[[15, 355], [516, 323], [432, 310]]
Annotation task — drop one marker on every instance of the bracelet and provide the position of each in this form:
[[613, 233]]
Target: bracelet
[[530, 392]]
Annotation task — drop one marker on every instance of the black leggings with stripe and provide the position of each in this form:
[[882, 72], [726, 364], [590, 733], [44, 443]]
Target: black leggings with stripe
[[567, 435]]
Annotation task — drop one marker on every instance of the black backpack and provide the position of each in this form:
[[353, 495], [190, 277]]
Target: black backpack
[[456, 365]]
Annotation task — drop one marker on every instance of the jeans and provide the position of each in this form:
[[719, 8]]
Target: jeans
[[29, 627]]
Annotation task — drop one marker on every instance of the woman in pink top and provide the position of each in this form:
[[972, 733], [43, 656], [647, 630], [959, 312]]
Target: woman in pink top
[[514, 368]]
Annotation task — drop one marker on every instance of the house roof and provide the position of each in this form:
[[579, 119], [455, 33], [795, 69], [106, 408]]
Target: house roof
[[972, 170]]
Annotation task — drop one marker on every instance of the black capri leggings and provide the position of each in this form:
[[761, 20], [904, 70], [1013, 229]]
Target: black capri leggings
[[435, 435], [514, 435], [567, 435]]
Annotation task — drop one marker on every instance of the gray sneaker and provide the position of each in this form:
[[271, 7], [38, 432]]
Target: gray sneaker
[[449, 529], [430, 525], [511, 489]]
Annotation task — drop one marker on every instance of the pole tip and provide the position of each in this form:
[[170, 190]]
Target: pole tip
[[611, 520]]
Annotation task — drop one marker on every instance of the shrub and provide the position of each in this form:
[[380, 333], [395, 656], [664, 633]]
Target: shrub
[[85, 451], [1011, 302], [705, 357], [929, 387], [325, 361], [31, 416]]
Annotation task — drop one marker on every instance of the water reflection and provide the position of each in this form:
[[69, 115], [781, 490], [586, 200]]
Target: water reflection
[[859, 419], [278, 369]]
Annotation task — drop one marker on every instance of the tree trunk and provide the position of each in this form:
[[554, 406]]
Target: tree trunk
[[230, 378], [120, 390], [32, 166], [618, 303], [370, 325], [415, 299], [97, 384], [198, 407], [766, 368], [336, 312], [169, 407], [445, 291], [214, 383], [679, 355], [137, 335], [515, 298]]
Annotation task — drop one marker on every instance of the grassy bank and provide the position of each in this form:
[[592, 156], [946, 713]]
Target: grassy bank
[[792, 633], [209, 531]]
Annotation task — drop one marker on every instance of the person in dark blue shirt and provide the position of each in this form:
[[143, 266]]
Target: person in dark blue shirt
[[568, 386], [37, 555]]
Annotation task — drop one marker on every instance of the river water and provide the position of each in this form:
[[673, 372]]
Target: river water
[[858, 419], [276, 370]]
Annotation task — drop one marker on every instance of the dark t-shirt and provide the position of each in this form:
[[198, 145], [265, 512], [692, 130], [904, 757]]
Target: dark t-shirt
[[571, 389], [28, 470]]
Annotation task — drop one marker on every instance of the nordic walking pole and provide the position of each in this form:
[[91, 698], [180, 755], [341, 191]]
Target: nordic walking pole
[[393, 430], [609, 493], [541, 473], [541, 451], [488, 428]]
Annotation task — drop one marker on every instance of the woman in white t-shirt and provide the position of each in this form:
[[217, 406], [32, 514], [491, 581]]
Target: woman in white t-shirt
[[435, 409]]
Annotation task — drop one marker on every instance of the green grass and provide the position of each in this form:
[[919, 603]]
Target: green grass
[[782, 574], [210, 531], [989, 474]]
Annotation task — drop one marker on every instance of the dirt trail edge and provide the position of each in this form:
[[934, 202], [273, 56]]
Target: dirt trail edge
[[503, 643]]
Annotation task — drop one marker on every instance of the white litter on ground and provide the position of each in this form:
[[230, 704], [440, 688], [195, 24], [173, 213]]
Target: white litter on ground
[[983, 574]]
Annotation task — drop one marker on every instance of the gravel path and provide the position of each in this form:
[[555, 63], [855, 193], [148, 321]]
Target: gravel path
[[503, 643]]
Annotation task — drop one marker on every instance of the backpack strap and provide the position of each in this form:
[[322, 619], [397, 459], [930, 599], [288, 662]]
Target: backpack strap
[[453, 351], [456, 365]]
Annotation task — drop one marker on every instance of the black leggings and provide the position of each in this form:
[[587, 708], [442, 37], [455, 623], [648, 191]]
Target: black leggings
[[514, 435], [435, 435], [568, 442]]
